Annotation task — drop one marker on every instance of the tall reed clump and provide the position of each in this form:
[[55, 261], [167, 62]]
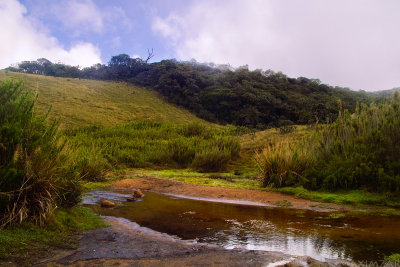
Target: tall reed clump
[[36, 173], [283, 164], [357, 151]]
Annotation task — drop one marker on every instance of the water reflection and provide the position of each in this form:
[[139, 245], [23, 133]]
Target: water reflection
[[294, 232]]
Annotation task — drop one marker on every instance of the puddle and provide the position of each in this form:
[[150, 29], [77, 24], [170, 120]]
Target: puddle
[[237, 225]]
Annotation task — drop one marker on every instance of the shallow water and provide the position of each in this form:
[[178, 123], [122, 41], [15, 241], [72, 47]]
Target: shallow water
[[296, 232]]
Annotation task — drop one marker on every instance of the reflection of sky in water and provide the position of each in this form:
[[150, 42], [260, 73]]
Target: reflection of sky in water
[[256, 228], [264, 235]]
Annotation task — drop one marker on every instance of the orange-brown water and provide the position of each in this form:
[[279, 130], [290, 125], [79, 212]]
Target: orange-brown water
[[296, 232]]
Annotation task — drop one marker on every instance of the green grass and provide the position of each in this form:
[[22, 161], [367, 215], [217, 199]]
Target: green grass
[[354, 197], [88, 186], [223, 179], [394, 258], [364, 203], [149, 144], [80, 102], [283, 203], [25, 243]]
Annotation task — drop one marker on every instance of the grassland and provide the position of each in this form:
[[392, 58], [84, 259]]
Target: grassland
[[79, 102]]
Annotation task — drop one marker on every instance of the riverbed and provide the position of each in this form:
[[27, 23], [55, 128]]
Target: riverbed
[[255, 226]]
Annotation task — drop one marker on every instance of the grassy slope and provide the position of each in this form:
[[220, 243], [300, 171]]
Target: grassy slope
[[80, 102]]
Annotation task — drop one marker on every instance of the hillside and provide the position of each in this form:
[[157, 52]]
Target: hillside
[[257, 99], [80, 102]]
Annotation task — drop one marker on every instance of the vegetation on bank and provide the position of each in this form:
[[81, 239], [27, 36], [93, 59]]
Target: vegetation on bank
[[36, 170], [357, 198], [26, 243], [256, 99], [357, 151], [39, 182], [150, 144]]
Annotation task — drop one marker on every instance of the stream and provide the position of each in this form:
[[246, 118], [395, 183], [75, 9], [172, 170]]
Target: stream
[[240, 225]]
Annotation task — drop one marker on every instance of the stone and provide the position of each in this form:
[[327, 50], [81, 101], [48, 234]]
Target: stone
[[137, 193], [131, 199], [107, 204]]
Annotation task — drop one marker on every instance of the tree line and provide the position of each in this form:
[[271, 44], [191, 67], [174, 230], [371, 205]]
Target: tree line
[[218, 93]]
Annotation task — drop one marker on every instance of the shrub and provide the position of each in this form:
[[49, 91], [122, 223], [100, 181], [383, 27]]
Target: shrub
[[182, 151], [283, 164], [394, 258], [193, 129], [286, 129], [359, 150], [35, 168], [144, 144], [91, 164], [211, 160]]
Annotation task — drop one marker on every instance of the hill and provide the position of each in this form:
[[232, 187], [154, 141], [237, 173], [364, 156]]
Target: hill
[[256, 99], [80, 102]]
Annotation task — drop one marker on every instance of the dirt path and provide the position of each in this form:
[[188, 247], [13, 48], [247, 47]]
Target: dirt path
[[221, 194]]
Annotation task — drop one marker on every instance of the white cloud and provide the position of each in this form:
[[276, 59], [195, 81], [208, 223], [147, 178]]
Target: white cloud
[[346, 43], [80, 15], [21, 40]]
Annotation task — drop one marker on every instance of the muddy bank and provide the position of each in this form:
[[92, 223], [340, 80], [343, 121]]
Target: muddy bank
[[127, 244], [255, 197]]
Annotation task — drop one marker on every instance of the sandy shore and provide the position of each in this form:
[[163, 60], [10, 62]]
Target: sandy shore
[[257, 197]]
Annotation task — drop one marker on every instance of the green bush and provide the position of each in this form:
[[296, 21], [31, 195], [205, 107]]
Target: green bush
[[211, 160], [357, 151], [36, 171], [182, 151], [360, 150], [283, 164], [91, 165], [394, 258], [144, 144]]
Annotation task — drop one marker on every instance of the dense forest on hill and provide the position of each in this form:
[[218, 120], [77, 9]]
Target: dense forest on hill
[[256, 99]]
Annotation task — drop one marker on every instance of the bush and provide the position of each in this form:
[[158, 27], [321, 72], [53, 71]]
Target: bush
[[193, 129], [36, 172], [394, 258], [357, 151], [91, 165], [182, 151], [144, 144], [283, 164], [286, 129], [360, 150], [211, 160]]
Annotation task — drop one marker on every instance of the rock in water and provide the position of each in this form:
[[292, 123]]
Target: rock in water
[[107, 204], [131, 199], [137, 193]]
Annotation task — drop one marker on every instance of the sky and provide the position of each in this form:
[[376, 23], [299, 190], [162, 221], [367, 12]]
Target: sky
[[347, 43]]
